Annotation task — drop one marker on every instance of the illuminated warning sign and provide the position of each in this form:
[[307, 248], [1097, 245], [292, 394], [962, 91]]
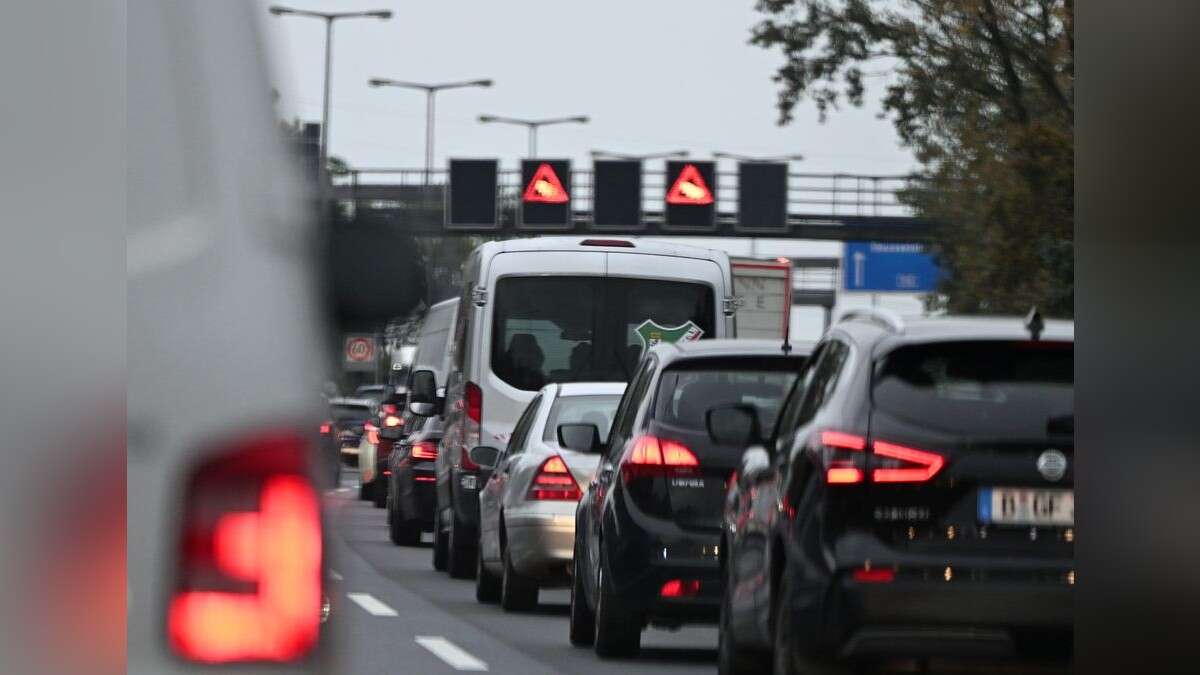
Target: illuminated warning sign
[[689, 188], [545, 187]]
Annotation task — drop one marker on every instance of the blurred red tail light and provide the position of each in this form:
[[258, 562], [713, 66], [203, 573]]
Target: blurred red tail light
[[474, 401], [372, 433], [554, 482], [906, 465], [326, 427], [877, 575], [680, 588], [425, 450], [651, 456], [388, 408], [392, 421], [249, 578]]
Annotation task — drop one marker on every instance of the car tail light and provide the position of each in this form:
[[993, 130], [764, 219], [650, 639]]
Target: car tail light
[[554, 482], [845, 459], [388, 408], [326, 427], [392, 421], [650, 456], [424, 479], [474, 402], [622, 243], [426, 450], [680, 588], [372, 433], [876, 575], [904, 465], [248, 586]]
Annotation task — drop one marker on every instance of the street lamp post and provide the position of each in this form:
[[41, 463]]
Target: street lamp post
[[604, 154], [430, 91], [533, 125], [329, 17], [751, 158]]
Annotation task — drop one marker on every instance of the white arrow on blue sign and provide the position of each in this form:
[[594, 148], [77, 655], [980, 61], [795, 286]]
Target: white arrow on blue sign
[[882, 267]]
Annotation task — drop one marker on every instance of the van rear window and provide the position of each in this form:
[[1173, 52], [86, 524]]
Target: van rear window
[[589, 329], [982, 388]]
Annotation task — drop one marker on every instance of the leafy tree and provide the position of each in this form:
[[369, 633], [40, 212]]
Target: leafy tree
[[983, 92]]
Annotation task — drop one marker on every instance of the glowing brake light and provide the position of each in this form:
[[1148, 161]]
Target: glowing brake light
[[326, 427], [651, 456], [372, 433], [388, 408], [249, 581], [846, 460], [425, 450], [392, 421], [925, 464], [843, 457], [679, 588], [877, 575], [554, 482]]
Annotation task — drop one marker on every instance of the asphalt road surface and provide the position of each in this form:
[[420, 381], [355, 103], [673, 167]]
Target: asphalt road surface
[[392, 613]]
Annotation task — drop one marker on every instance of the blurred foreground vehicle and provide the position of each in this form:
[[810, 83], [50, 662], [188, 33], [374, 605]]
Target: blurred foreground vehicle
[[553, 310], [916, 500], [648, 529], [409, 482], [226, 544], [527, 507]]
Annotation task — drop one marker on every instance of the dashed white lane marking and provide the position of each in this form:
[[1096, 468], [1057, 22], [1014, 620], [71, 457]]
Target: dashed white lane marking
[[372, 604], [345, 489], [451, 653], [333, 574]]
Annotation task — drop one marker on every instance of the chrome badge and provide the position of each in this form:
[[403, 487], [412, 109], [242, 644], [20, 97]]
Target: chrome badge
[[1052, 464]]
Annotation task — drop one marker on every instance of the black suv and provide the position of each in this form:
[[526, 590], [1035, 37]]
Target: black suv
[[411, 489], [647, 529], [915, 500]]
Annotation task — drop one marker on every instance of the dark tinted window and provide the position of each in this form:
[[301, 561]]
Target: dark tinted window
[[572, 329], [685, 396], [598, 410], [981, 388], [520, 434], [820, 382], [343, 413], [627, 410]]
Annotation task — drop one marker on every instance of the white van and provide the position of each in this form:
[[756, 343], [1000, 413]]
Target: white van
[[551, 310]]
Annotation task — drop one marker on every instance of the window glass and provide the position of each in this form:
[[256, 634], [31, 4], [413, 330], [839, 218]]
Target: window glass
[[627, 411], [598, 410], [685, 397], [824, 378], [572, 329], [351, 413], [516, 443], [981, 388]]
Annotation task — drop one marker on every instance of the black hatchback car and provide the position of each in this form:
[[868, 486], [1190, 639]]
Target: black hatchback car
[[915, 501], [648, 528], [411, 482]]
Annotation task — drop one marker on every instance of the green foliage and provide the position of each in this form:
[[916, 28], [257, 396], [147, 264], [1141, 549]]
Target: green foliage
[[982, 91]]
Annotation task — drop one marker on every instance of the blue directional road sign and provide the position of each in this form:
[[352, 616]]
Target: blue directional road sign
[[878, 267]]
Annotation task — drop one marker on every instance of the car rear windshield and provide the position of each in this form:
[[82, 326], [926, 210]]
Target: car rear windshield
[[596, 409], [350, 413], [981, 388], [578, 329], [685, 395]]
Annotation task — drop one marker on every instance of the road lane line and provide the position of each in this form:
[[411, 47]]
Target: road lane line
[[370, 603], [451, 653], [333, 574]]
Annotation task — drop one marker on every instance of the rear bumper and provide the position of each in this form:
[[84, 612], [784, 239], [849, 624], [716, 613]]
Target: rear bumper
[[417, 496], [639, 576], [542, 546]]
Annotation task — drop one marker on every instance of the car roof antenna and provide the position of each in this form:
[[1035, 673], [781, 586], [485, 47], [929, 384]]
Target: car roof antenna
[[1034, 323], [787, 342]]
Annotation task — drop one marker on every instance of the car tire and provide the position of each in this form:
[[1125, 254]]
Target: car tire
[[487, 585], [402, 532], [379, 493], [518, 593], [460, 555], [440, 543], [731, 659], [787, 657], [618, 631], [583, 621], [364, 490]]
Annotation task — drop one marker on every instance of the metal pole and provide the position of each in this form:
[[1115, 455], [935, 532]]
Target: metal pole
[[324, 153], [533, 141], [429, 133]]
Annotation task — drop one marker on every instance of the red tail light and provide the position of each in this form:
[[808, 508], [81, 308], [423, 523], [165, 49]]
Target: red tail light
[[425, 450], [554, 481], [326, 427], [680, 588], [845, 460], [392, 421], [388, 408], [651, 456], [921, 467], [878, 575], [474, 402], [372, 433], [249, 580]]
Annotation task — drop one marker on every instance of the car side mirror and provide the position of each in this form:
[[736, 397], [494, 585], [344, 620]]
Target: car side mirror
[[485, 456], [581, 437], [755, 466], [422, 395], [735, 425]]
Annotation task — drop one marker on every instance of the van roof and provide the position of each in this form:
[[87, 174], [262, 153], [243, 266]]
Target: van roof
[[576, 243]]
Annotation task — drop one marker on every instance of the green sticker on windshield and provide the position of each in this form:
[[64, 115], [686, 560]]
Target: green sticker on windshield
[[651, 333]]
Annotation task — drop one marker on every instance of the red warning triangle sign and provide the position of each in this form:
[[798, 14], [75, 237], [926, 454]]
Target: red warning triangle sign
[[689, 189], [545, 187]]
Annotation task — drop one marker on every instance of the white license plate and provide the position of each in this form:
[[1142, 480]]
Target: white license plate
[[1026, 506]]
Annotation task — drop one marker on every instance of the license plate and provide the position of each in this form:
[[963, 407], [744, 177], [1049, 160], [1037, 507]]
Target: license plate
[[1026, 506]]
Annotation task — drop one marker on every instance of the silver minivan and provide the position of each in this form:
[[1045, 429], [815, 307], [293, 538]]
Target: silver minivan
[[550, 310]]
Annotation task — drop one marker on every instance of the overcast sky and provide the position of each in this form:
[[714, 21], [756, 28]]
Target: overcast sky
[[653, 76]]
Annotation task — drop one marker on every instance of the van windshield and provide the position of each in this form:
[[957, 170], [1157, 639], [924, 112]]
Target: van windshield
[[589, 329]]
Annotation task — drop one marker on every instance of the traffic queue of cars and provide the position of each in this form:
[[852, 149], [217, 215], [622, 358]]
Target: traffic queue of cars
[[898, 489]]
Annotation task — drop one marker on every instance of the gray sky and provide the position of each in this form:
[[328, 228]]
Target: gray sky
[[654, 75]]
